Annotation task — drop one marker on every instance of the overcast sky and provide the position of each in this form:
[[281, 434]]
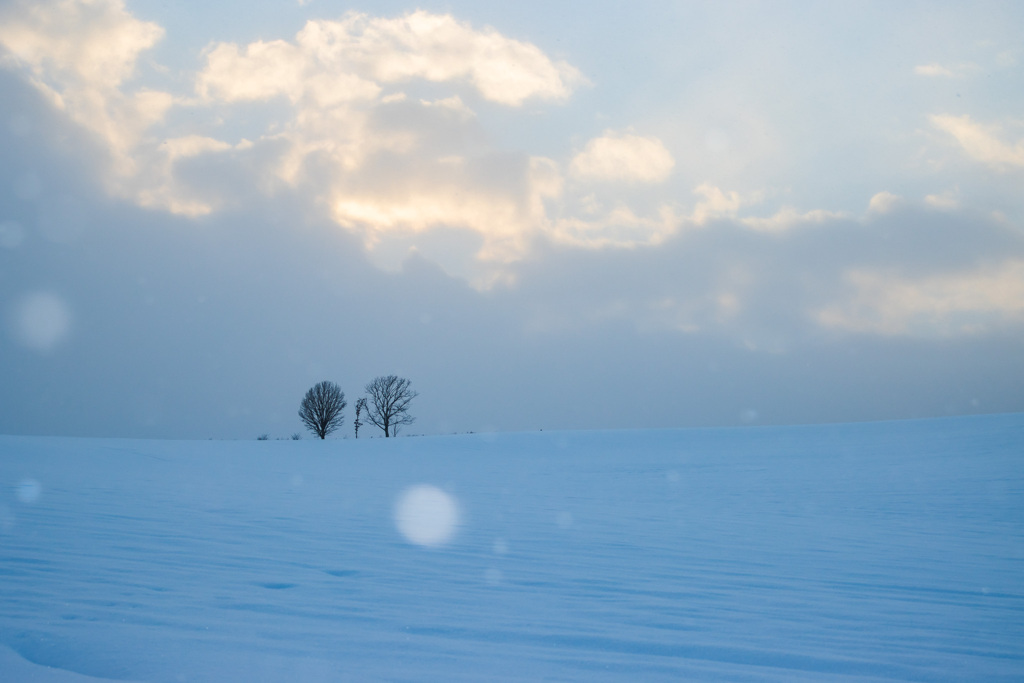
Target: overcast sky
[[546, 215]]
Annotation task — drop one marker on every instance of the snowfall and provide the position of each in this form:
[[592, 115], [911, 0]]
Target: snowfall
[[878, 551]]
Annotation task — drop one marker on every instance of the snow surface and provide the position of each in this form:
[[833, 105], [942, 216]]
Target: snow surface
[[886, 551]]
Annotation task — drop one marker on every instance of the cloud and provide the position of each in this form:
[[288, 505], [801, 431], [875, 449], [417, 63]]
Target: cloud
[[453, 197], [334, 130], [933, 70], [718, 205], [787, 218], [981, 142], [936, 70], [1008, 59], [946, 201], [623, 157], [884, 202], [620, 227], [495, 201], [163, 184], [79, 54], [917, 273], [715, 203], [367, 51], [265, 70], [393, 169], [70, 41], [379, 125], [966, 302], [192, 145]]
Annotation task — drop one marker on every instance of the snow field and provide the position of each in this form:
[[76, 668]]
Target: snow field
[[887, 551]]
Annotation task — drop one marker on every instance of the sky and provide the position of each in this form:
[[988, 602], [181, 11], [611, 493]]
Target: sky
[[568, 216]]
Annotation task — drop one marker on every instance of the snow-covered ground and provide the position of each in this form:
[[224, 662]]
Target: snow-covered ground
[[887, 551]]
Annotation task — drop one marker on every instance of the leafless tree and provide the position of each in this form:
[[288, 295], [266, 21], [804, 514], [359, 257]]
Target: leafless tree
[[388, 406], [360, 407], [321, 408]]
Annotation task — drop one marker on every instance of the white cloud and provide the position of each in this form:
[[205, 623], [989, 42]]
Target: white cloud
[[347, 134], [455, 193], [946, 201], [936, 70], [787, 218], [386, 165], [440, 48], [884, 202], [192, 145], [262, 71], [623, 157], [161, 188], [92, 43], [499, 218], [79, 54], [620, 227], [349, 58], [941, 305], [337, 125], [1008, 59], [981, 142], [715, 203], [933, 70]]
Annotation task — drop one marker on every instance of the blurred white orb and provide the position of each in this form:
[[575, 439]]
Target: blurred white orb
[[41, 321], [27, 490], [426, 515]]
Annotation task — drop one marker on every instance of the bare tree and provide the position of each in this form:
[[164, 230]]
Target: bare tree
[[388, 406], [360, 406], [321, 408]]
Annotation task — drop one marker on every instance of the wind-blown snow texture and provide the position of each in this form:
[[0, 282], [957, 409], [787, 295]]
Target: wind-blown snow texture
[[888, 551]]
